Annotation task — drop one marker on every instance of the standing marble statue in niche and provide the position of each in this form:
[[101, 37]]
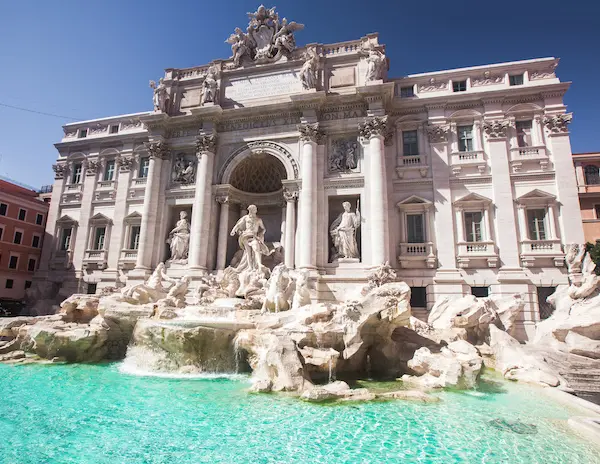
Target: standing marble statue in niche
[[179, 240], [376, 60], [251, 230], [343, 156], [184, 171], [308, 73], [343, 233], [161, 95]]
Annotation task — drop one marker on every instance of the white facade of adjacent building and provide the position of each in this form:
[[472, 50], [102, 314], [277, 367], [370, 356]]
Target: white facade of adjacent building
[[463, 178]]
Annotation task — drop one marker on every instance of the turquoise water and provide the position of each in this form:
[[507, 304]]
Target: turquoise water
[[96, 414]]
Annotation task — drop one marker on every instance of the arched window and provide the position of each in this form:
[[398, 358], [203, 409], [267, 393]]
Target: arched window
[[592, 174]]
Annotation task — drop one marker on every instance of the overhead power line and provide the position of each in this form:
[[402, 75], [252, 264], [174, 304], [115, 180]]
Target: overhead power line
[[40, 112]]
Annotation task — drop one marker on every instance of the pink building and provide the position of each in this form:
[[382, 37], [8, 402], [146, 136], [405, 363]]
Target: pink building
[[587, 168], [22, 224]]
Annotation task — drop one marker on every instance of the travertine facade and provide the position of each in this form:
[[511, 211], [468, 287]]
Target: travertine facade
[[455, 172]]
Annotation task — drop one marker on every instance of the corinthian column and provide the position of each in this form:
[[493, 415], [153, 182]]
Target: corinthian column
[[223, 232], [290, 226], [157, 151], [205, 148], [374, 130], [310, 135]]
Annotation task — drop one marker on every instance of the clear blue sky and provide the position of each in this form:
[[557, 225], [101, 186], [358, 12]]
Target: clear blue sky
[[94, 59]]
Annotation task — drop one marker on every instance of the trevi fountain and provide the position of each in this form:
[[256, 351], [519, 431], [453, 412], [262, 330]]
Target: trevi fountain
[[186, 360]]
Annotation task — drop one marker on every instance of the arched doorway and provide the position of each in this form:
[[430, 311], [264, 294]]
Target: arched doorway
[[257, 179]]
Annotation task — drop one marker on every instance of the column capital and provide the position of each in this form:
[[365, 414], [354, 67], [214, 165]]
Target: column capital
[[557, 124], [497, 129], [125, 162], [374, 127], [310, 132], [206, 143], [290, 195], [60, 170], [438, 133], [157, 149], [222, 199], [92, 167]]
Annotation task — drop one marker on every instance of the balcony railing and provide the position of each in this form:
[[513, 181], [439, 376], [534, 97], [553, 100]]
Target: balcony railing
[[106, 184], [520, 155], [468, 157], [411, 254], [129, 255], [541, 247], [72, 188], [95, 255], [412, 163], [476, 248], [412, 160], [140, 181]]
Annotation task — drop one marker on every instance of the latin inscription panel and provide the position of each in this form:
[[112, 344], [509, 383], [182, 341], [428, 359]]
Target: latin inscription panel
[[253, 87]]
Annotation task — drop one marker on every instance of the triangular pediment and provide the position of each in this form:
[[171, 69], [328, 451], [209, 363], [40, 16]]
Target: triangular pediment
[[473, 198], [413, 200], [537, 195], [100, 218], [133, 216], [66, 220]]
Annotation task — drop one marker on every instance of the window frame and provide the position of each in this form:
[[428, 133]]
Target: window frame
[[544, 222], [525, 143], [423, 225], [29, 260], [10, 258], [2, 228], [457, 86], [33, 237], [109, 163], [82, 133], [18, 231], [12, 283], [591, 175], [143, 167], [465, 140], [24, 215], [5, 209], [113, 126], [407, 91], [414, 143], [512, 76], [482, 231], [39, 215], [77, 173]]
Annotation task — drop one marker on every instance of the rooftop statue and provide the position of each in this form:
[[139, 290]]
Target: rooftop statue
[[266, 39], [161, 96]]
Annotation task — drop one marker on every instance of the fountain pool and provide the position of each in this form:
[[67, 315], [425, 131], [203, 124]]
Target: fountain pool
[[97, 414]]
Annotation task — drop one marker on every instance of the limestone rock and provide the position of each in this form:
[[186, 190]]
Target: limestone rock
[[261, 386], [79, 308], [12, 356], [515, 363], [582, 346], [457, 366], [178, 346]]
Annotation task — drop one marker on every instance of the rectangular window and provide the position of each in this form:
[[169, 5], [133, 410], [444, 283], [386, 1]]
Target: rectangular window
[[35, 241], [407, 92], [27, 284], [31, 265], [13, 262], [3, 209], [144, 165], [415, 228], [418, 297], [65, 239], [9, 283], [82, 133], [596, 210], [109, 170], [536, 220], [114, 129], [1, 232], [480, 292], [465, 138], [517, 79], [76, 176], [459, 86], [39, 219], [474, 226], [410, 143], [134, 238], [22, 214], [99, 236], [18, 238], [91, 289], [523, 133]]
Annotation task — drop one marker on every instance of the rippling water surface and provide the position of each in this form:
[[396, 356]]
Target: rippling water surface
[[96, 414]]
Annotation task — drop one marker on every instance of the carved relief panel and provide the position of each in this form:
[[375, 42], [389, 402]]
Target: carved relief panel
[[183, 170], [343, 155]]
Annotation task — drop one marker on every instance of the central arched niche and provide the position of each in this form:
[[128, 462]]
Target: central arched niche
[[258, 177], [258, 173]]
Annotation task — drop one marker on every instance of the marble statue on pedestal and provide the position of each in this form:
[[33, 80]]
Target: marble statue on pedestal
[[343, 233], [179, 239], [161, 95], [210, 88], [375, 63], [251, 230], [308, 73], [150, 291]]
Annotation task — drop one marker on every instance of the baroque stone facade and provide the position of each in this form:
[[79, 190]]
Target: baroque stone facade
[[454, 173]]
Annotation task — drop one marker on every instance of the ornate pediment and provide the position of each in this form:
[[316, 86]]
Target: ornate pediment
[[472, 199], [536, 196], [266, 40]]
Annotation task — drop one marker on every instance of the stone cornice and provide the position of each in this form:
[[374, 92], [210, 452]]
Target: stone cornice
[[344, 182]]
